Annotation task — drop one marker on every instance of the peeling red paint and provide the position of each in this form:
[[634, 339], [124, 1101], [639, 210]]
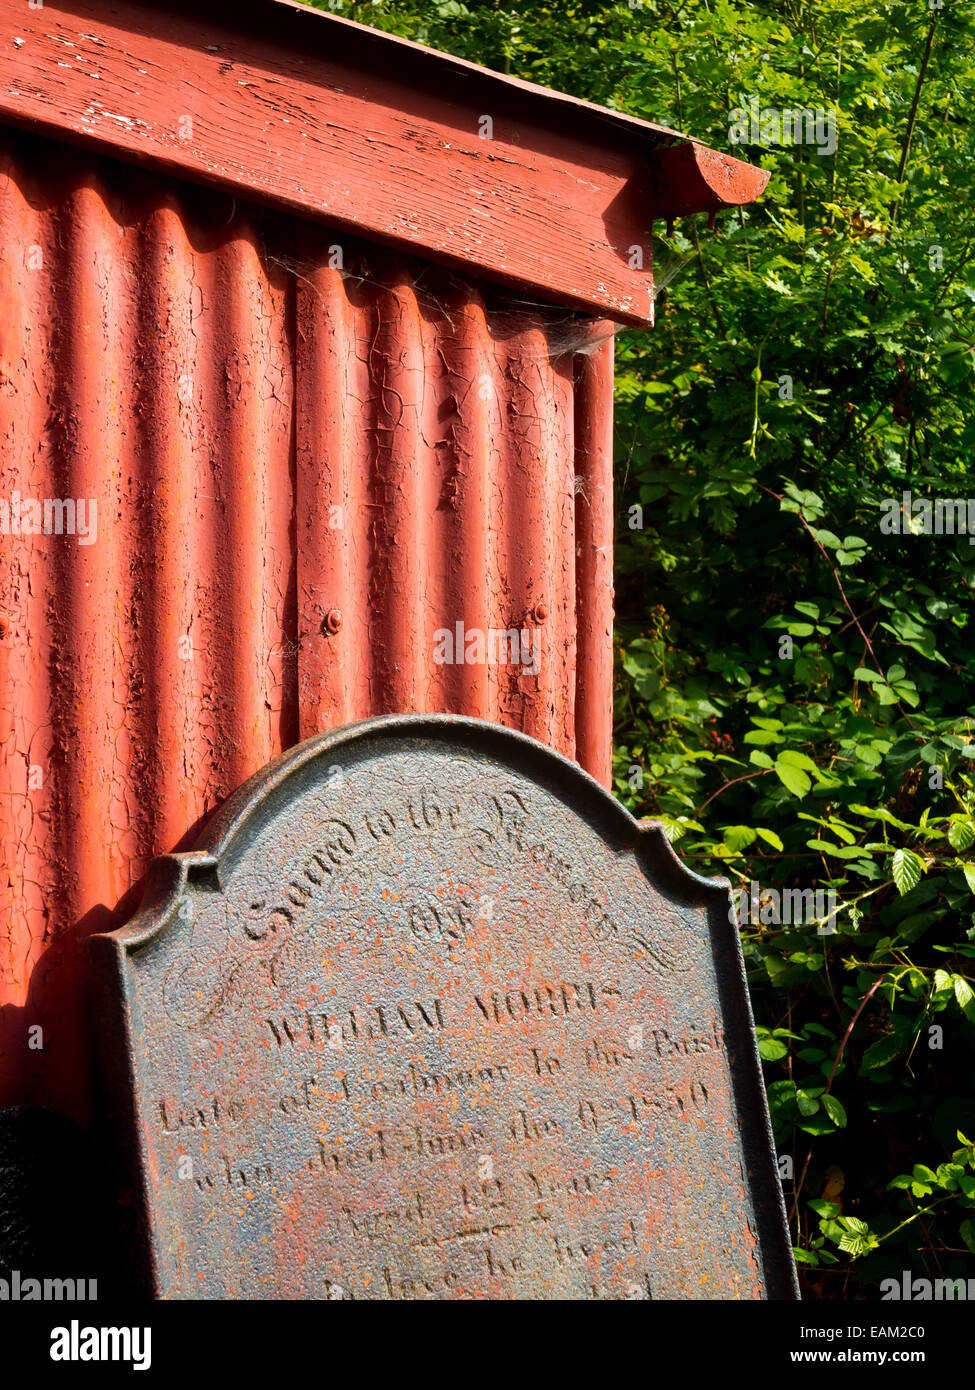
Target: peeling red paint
[[197, 367]]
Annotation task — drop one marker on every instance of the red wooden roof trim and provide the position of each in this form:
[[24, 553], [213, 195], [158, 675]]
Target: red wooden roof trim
[[691, 177], [342, 124]]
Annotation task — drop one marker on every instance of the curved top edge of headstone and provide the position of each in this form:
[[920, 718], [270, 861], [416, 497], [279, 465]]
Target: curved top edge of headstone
[[170, 875]]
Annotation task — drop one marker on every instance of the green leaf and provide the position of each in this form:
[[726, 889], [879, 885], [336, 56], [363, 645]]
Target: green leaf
[[841, 851], [961, 834], [907, 869], [808, 1104], [817, 1124], [835, 1111], [770, 838], [805, 1257], [793, 778], [965, 997], [738, 837], [795, 759], [878, 1054], [857, 1238]]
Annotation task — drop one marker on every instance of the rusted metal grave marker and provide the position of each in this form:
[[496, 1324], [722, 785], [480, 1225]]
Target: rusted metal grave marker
[[427, 1014]]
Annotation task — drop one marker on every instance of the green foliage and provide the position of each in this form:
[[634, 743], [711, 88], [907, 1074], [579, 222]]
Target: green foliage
[[786, 663], [794, 691]]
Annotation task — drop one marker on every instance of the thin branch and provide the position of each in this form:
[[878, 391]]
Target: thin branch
[[969, 247], [747, 777], [849, 607], [829, 1081], [912, 118]]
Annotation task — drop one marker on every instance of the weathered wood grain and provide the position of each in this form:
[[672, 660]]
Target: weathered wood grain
[[371, 134]]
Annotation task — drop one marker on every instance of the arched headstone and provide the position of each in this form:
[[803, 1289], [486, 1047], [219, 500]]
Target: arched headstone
[[427, 1014]]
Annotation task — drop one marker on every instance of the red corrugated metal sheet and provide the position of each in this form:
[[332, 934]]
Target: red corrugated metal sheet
[[302, 473]]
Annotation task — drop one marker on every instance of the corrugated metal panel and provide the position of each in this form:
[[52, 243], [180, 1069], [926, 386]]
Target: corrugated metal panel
[[303, 474]]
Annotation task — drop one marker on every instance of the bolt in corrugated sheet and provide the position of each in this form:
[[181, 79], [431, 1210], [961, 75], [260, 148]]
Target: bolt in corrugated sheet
[[302, 474]]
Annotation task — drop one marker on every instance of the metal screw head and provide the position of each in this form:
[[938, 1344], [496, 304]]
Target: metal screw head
[[332, 622], [540, 612]]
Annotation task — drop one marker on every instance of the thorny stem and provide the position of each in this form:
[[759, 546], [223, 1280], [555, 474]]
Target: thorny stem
[[762, 772], [829, 1081], [845, 907], [719, 321], [923, 1212], [756, 422], [849, 607]]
